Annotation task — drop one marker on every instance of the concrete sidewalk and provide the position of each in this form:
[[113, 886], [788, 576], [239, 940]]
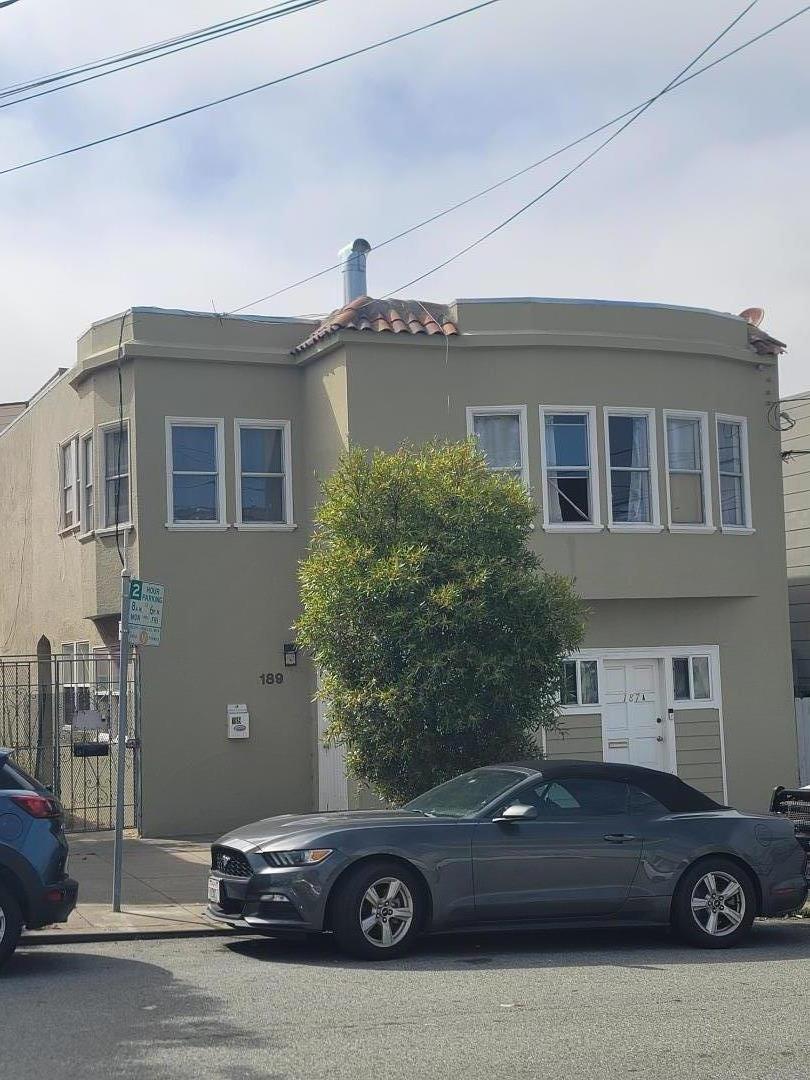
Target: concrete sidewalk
[[163, 890]]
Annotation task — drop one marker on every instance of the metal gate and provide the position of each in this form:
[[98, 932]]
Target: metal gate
[[60, 716]]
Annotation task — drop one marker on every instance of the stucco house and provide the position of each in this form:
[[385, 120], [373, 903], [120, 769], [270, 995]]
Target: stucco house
[[198, 443]]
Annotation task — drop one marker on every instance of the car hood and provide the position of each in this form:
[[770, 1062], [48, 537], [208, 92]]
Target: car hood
[[277, 832]]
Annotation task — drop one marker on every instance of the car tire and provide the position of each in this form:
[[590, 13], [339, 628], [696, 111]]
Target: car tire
[[11, 923], [715, 904], [378, 910]]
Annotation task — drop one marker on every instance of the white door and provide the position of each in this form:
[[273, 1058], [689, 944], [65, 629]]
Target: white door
[[333, 788], [634, 719]]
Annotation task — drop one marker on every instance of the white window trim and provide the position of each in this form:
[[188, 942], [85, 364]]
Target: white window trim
[[220, 523], [593, 453], [692, 702], [286, 430], [87, 529], [594, 707], [655, 525], [746, 529], [667, 654], [101, 471], [708, 524], [63, 529], [521, 412]]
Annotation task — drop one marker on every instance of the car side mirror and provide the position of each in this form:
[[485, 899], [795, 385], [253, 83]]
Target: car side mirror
[[518, 812]]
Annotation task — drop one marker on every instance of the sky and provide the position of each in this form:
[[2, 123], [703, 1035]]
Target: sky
[[702, 202]]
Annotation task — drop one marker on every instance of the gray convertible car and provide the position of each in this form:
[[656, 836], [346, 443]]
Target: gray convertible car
[[525, 844]]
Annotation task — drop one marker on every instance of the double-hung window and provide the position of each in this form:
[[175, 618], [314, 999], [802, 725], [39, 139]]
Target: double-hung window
[[263, 473], [501, 435], [75, 678], [687, 470], [570, 468], [195, 486], [115, 473], [732, 467], [86, 483], [69, 484], [631, 469]]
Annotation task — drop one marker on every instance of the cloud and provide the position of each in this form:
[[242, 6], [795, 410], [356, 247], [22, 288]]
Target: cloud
[[702, 202]]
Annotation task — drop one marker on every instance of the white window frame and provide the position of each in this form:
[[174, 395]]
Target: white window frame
[[521, 412], [86, 482], [692, 702], [580, 708], [72, 683], [653, 526], [285, 427], [101, 472], [73, 445], [217, 422], [595, 525], [746, 529], [707, 525]]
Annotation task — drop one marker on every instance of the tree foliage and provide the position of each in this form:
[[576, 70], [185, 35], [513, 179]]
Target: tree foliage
[[438, 633]]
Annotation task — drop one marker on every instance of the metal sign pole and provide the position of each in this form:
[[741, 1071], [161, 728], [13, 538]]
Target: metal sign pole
[[123, 666]]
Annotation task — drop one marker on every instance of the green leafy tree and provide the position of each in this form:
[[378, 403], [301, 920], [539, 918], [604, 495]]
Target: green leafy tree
[[438, 634]]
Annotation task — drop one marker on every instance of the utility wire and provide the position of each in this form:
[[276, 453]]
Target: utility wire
[[149, 53], [676, 85], [252, 89], [583, 161]]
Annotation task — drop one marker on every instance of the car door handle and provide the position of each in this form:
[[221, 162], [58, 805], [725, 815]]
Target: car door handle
[[618, 837]]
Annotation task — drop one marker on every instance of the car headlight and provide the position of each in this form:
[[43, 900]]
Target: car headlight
[[305, 857]]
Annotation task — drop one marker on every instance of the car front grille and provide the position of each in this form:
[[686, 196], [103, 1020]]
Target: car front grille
[[231, 863], [796, 806]]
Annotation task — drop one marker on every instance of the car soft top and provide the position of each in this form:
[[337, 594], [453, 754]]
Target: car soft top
[[668, 789]]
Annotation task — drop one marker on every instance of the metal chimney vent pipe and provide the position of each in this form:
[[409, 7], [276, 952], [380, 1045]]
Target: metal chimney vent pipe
[[353, 267]]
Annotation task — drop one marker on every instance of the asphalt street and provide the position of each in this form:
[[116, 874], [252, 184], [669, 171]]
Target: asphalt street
[[548, 1005]]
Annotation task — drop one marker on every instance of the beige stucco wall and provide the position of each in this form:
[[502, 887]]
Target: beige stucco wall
[[51, 584]]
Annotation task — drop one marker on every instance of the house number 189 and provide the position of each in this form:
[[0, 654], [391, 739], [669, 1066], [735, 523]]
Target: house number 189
[[271, 678]]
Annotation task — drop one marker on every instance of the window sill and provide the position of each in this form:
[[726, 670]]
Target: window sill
[[708, 703], [580, 710], [86, 537], [70, 530], [552, 527], [737, 530], [196, 526], [110, 530], [699, 529], [265, 526], [641, 528]]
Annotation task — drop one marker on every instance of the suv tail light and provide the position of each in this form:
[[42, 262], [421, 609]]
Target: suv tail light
[[38, 806]]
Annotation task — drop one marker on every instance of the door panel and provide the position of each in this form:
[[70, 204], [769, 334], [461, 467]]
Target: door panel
[[577, 858], [633, 714]]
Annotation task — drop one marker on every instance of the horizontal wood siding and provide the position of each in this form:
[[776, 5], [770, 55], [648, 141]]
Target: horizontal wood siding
[[577, 737], [796, 476], [697, 745]]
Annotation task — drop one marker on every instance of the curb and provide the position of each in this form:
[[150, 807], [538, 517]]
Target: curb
[[84, 937]]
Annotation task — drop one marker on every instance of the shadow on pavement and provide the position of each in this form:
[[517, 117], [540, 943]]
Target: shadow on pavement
[[116, 1017], [649, 949]]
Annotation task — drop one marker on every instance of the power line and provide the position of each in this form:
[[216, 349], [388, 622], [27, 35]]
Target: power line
[[583, 161], [676, 85], [253, 89], [144, 55]]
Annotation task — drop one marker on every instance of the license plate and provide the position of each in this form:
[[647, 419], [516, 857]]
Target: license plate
[[214, 890]]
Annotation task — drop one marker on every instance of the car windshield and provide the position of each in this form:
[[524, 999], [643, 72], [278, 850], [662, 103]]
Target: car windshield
[[467, 794]]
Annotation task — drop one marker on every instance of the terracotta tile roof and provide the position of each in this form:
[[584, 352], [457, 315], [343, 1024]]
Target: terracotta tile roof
[[384, 316]]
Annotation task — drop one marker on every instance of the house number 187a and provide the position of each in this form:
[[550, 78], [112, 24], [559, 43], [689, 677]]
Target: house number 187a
[[272, 678]]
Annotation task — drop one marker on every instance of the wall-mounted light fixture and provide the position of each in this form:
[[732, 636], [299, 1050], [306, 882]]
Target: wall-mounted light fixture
[[290, 654]]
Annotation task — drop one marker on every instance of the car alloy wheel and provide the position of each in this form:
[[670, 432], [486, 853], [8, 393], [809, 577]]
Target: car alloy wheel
[[718, 903], [386, 912]]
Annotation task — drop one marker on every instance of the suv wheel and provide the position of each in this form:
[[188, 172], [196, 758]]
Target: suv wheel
[[378, 911], [10, 924], [715, 904]]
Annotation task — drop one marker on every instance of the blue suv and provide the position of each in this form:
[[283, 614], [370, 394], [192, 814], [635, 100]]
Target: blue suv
[[34, 887]]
